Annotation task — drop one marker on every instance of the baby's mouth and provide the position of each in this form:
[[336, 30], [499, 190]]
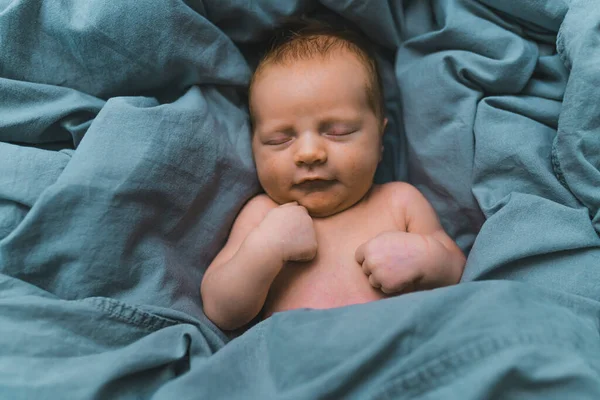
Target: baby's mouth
[[315, 185]]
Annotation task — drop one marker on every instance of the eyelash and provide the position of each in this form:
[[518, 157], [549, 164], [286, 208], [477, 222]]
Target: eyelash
[[343, 133], [276, 142]]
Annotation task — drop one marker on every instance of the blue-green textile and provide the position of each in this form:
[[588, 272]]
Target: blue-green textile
[[124, 158]]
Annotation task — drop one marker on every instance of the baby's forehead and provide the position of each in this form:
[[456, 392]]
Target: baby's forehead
[[272, 75], [340, 71], [283, 66], [353, 56], [316, 60]]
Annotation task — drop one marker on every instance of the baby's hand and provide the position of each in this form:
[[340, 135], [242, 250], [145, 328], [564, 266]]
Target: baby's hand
[[396, 261], [290, 228]]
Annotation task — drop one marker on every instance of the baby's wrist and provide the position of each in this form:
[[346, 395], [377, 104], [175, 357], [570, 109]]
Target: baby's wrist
[[441, 262], [267, 246]]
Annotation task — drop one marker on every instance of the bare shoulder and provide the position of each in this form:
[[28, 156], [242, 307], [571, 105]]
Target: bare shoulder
[[397, 193], [401, 200], [251, 215], [259, 203], [253, 212]]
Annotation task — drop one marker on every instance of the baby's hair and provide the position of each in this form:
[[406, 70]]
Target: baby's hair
[[304, 39]]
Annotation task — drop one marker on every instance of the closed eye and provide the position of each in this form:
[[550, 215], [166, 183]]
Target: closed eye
[[277, 140], [339, 128], [344, 132]]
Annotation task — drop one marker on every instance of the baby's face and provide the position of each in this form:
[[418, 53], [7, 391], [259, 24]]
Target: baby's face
[[316, 140]]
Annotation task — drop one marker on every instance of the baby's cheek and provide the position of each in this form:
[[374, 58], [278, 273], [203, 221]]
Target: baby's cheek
[[275, 179], [267, 171], [362, 170]]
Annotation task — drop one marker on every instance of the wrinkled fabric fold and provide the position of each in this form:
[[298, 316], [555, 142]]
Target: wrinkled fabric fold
[[125, 157]]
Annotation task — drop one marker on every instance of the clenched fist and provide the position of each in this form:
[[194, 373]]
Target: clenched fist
[[291, 230], [398, 262]]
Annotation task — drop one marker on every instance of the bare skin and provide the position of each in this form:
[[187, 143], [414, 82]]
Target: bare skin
[[365, 254], [323, 235]]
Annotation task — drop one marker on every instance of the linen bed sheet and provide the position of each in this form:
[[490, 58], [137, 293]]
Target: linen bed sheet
[[125, 156]]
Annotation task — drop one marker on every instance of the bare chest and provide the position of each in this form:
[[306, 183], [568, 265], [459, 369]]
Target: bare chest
[[333, 278]]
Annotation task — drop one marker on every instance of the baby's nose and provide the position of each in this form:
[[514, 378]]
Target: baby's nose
[[310, 150]]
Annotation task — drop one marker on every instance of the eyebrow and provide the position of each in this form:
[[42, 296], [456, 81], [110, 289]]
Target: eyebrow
[[283, 128], [325, 123], [332, 122]]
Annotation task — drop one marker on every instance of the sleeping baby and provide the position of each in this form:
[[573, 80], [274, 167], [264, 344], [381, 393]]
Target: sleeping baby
[[323, 235]]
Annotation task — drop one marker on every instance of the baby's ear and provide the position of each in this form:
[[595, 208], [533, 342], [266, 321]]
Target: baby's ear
[[385, 121], [382, 126], [382, 129]]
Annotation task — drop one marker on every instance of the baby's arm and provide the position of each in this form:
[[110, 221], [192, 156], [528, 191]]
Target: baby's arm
[[264, 236], [443, 261], [236, 283], [420, 255]]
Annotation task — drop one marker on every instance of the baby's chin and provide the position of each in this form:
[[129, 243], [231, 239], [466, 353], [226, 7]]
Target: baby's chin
[[319, 204], [323, 210], [317, 208]]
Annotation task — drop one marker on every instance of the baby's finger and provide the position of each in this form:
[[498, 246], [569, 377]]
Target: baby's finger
[[374, 282], [291, 203], [359, 254], [398, 289], [366, 268]]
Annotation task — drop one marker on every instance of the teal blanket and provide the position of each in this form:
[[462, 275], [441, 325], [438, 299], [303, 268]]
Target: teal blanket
[[125, 157]]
